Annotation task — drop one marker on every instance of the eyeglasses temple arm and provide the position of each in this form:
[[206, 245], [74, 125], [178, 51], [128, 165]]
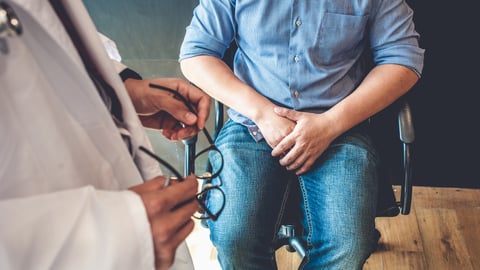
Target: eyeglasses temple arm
[[163, 162]]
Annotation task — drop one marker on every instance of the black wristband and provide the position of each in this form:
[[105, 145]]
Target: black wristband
[[129, 74]]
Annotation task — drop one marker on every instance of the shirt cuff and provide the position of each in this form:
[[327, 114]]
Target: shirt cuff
[[129, 74]]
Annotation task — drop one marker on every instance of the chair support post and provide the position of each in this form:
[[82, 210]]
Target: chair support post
[[189, 163]]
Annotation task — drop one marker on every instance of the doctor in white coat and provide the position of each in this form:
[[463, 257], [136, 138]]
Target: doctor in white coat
[[72, 191]]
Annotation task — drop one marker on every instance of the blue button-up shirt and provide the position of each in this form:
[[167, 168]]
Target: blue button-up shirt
[[307, 55]]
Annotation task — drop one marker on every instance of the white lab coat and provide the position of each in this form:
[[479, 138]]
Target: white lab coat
[[64, 168]]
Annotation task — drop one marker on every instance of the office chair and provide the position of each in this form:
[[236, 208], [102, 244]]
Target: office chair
[[387, 203], [395, 118]]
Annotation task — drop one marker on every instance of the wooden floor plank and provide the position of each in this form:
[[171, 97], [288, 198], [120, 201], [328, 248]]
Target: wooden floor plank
[[400, 246], [468, 225], [375, 262], [446, 246], [449, 198], [400, 233], [401, 260]]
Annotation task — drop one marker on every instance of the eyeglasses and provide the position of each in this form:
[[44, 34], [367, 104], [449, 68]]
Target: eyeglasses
[[207, 211], [202, 171], [209, 152]]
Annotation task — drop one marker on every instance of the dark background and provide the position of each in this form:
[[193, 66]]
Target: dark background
[[444, 102]]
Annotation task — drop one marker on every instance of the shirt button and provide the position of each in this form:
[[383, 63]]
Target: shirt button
[[254, 133], [296, 58], [296, 94], [298, 22]]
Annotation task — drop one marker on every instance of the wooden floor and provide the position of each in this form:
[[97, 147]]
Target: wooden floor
[[441, 232]]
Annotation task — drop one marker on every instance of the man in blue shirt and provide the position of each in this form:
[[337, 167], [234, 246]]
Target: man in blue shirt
[[299, 99]]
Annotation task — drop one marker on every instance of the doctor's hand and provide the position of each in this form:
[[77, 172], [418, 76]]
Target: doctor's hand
[[308, 140], [169, 210], [161, 110]]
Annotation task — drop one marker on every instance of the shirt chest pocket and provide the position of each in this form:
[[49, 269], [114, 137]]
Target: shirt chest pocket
[[340, 37]]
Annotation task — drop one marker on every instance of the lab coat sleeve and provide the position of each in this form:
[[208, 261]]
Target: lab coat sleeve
[[82, 228]]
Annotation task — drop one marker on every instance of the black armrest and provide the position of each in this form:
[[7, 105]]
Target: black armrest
[[407, 136]]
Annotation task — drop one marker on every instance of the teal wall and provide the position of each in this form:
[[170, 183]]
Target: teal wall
[[148, 33]]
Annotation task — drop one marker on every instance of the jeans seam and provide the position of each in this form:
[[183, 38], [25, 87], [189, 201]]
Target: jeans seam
[[308, 222]]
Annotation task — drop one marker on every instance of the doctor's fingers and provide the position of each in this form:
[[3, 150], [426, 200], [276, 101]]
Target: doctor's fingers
[[154, 184], [178, 110], [150, 185], [203, 110], [170, 197], [171, 227], [171, 128], [199, 99], [179, 133], [165, 247]]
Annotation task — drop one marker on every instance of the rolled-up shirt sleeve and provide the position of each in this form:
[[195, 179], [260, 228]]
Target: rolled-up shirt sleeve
[[206, 34], [401, 32]]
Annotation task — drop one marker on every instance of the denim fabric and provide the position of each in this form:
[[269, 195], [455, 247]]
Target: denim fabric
[[338, 202]]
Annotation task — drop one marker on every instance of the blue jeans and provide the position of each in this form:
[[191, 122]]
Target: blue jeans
[[338, 201]]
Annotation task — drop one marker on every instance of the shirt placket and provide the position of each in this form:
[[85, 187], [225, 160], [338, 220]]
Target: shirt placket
[[295, 56]]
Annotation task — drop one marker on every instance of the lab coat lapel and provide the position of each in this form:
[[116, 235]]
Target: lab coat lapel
[[87, 32]]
